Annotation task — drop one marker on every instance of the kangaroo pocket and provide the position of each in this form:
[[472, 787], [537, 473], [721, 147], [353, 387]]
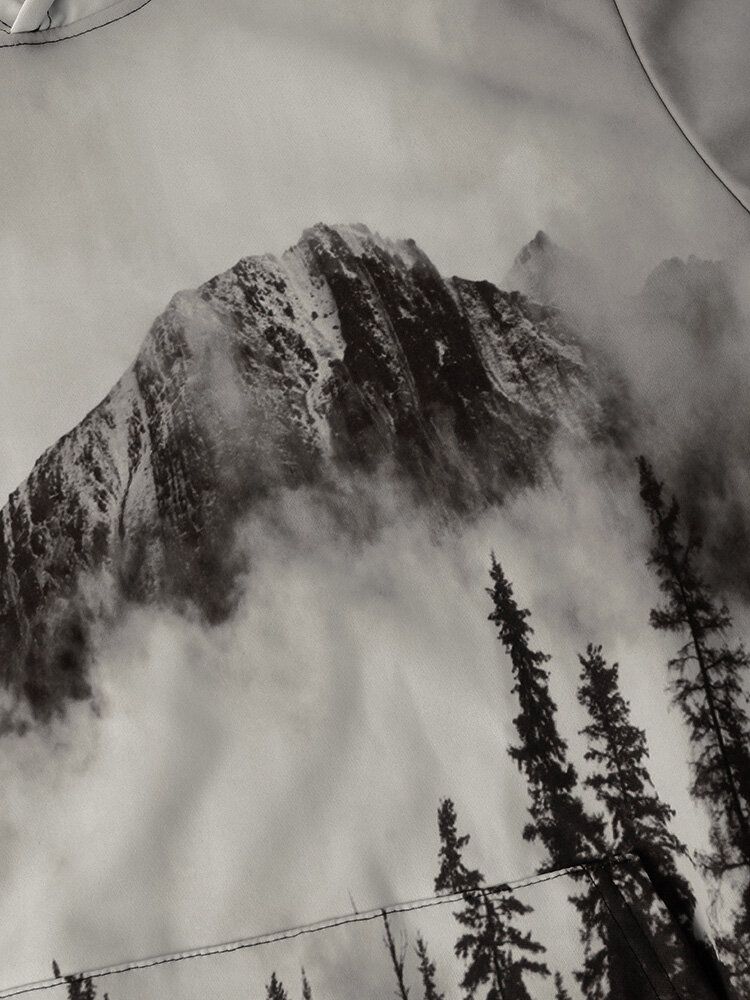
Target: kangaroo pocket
[[598, 930]]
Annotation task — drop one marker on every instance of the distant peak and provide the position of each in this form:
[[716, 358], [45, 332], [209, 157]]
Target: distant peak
[[548, 272], [540, 245], [694, 273]]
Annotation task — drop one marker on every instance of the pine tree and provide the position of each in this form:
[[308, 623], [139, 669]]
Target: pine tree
[[306, 988], [639, 819], [621, 781], [275, 989], [560, 992], [453, 875], [708, 677], [398, 958], [80, 987], [707, 674], [559, 819], [427, 972], [495, 951]]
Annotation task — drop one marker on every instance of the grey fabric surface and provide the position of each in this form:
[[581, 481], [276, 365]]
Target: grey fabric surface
[[61, 20], [696, 52], [207, 749]]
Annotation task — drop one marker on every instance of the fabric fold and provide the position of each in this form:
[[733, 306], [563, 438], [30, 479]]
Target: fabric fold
[[31, 16]]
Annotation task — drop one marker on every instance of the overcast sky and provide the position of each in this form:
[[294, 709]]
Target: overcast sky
[[141, 159]]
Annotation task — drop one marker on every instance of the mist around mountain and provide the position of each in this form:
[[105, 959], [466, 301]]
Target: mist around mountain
[[679, 344], [267, 549], [348, 357]]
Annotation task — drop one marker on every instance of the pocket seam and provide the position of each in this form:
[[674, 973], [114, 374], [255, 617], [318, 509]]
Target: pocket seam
[[301, 930]]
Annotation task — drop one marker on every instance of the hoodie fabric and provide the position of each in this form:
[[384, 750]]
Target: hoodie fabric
[[346, 648]]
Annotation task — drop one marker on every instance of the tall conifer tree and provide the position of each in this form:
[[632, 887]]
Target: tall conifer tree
[[639, 818], [495, 951], [621, 781], [559, 819], [708, 682], [708, 675]]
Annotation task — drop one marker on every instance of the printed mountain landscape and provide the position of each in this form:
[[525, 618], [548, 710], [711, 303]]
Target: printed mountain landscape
[[346, 353], [350, 366]]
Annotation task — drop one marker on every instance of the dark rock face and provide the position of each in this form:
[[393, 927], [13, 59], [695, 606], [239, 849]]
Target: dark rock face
[[346, 353]]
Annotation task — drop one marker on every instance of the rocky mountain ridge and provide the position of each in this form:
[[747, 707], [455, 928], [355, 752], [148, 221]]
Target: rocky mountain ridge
[[348, 352]]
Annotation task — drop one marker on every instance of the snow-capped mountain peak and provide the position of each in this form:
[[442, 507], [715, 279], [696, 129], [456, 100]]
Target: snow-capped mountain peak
[[349, 352]]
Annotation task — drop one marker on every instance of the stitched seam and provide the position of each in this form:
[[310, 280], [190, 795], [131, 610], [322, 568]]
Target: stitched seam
[[328, 924], [625, 937], [663, 101], [646, 938], [75, 34]]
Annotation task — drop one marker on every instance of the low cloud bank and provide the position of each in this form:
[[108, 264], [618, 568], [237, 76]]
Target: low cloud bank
[[272, 769]]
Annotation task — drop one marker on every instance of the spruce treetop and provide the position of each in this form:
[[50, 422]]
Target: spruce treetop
[[558, 818], [453, 875], [275, 989], [622, 781], [427, 971]]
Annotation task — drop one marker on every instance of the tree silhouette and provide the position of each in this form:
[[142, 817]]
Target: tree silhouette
[[494, 950], [622, 783], [708, 676], [639, 819], [427, 972], [80, 987], [559, 819], [560, 992], [275, 989], [398, 958], [306, 988]]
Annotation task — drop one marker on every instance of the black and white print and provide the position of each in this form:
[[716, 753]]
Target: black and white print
[[374, 566]]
